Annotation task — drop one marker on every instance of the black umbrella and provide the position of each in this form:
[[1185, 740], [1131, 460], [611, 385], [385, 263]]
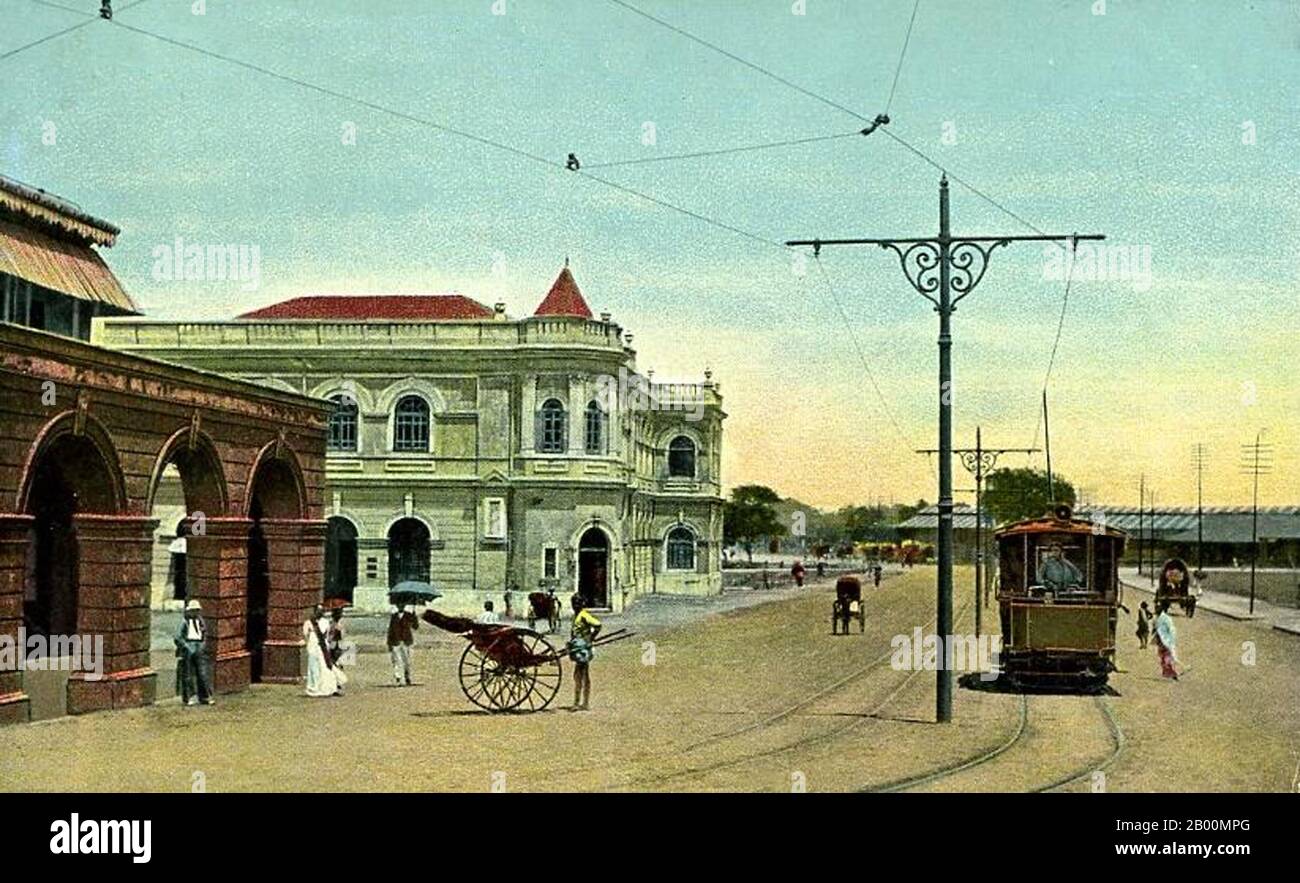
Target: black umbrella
[[413, 591]]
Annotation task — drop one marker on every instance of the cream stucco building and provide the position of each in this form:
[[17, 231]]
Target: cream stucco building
[[479, 451]]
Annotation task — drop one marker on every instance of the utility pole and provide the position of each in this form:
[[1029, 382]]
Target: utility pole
[[1256, 460], [1151, 529], [979, 462], [936, 267], [1198, 463], [1142, 502]]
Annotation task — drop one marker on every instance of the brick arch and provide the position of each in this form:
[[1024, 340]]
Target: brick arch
[[60, 428], [203, 475], [277, 470]]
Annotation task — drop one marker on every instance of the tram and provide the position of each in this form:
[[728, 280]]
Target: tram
[[1059, 596]]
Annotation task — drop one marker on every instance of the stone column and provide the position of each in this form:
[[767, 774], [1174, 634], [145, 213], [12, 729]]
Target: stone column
[[14, 544], [296, 549], [218, 571], [115, 562]]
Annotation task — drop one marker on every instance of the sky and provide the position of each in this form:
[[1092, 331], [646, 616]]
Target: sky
[[1170, 127]]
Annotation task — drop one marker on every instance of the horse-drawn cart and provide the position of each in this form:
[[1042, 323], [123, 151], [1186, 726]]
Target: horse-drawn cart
[[848, 605]]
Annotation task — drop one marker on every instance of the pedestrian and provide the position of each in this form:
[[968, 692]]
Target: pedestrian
[[875, 575], [324, 678], [510, 601], [192, 656], [488, 616], [582, 633], [798, 572], [821, 568], [401, 628], [1143, 625], [1166, 648]]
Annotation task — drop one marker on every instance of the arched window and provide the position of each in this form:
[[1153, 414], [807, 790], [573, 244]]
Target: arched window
[[552, 428], [681, 549], [343, 424], [411, 424], [681, 457], [595, 429]]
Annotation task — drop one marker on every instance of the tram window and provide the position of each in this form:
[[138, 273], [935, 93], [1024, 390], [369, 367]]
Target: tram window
[[1061, 564], [1012, 565]]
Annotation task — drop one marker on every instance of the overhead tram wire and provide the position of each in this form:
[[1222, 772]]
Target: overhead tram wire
[[884, 401], [1060, 327], [834, 104], [897, 138], [450, 130], [554, 164], [723, 151], [90, 18], [901, 55]]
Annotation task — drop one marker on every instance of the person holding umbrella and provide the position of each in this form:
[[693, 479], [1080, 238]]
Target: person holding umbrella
[[401, 628]]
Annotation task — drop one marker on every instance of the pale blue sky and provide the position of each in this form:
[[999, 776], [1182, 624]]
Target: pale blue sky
[[1129, 123]]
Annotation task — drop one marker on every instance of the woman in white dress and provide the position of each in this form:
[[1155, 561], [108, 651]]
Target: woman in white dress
[[323, 677]]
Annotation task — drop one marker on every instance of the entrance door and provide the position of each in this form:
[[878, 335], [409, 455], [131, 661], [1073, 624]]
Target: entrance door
[[593, 567]]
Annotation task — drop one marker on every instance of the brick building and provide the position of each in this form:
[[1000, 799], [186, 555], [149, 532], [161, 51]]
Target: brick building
[[86, 436]]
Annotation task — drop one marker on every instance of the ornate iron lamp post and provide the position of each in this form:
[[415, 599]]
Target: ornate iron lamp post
[[937, 267]]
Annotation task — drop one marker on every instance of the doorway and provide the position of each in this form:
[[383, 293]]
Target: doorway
[[593, 567]]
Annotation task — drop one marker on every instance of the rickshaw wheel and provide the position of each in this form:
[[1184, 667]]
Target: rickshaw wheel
[[494, 686]]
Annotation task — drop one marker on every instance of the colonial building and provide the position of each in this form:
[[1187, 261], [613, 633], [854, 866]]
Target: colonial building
[[87, 438], [478, 451]]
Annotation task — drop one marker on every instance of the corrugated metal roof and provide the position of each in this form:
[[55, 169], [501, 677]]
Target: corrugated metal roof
[[963, 518], [46, 208], [358, 308], [61, 265]]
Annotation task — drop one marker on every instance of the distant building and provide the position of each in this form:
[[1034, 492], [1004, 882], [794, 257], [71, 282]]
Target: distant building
[[479, 451], [1226, 532], [51, 276], [923, 527]]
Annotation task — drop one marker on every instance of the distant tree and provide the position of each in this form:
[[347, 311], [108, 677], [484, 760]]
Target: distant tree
[[750, 515], [1017, 494], [905, 512]]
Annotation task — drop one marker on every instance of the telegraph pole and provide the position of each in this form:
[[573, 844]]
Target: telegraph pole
[[1198, 462], [1142, 502], [979, 462], [1257, 460], [936, 267]]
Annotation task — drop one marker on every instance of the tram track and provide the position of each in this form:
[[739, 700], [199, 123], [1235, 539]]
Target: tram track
[[768, 721], [1114, 732], [862, 717]]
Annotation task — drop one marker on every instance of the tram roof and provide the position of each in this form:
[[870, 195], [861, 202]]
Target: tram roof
[[1049, 524]]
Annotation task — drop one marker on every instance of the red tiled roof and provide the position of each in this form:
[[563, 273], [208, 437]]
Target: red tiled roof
[[422, 307], [564, 299]]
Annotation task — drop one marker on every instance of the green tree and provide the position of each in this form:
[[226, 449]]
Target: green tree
[[750, 515], [1017, 494]]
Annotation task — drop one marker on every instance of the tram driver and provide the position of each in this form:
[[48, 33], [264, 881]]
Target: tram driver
[[1057, 573]]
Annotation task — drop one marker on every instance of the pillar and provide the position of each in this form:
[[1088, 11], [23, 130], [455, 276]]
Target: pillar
[[296, 549], [14, 542], [218, 570], [114, 571]]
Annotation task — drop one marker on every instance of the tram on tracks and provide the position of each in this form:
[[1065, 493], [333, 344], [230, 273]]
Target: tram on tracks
[[1059, 596]]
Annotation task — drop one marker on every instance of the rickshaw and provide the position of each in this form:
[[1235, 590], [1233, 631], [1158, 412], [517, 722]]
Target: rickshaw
[[848, 605], [1176, 586]]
